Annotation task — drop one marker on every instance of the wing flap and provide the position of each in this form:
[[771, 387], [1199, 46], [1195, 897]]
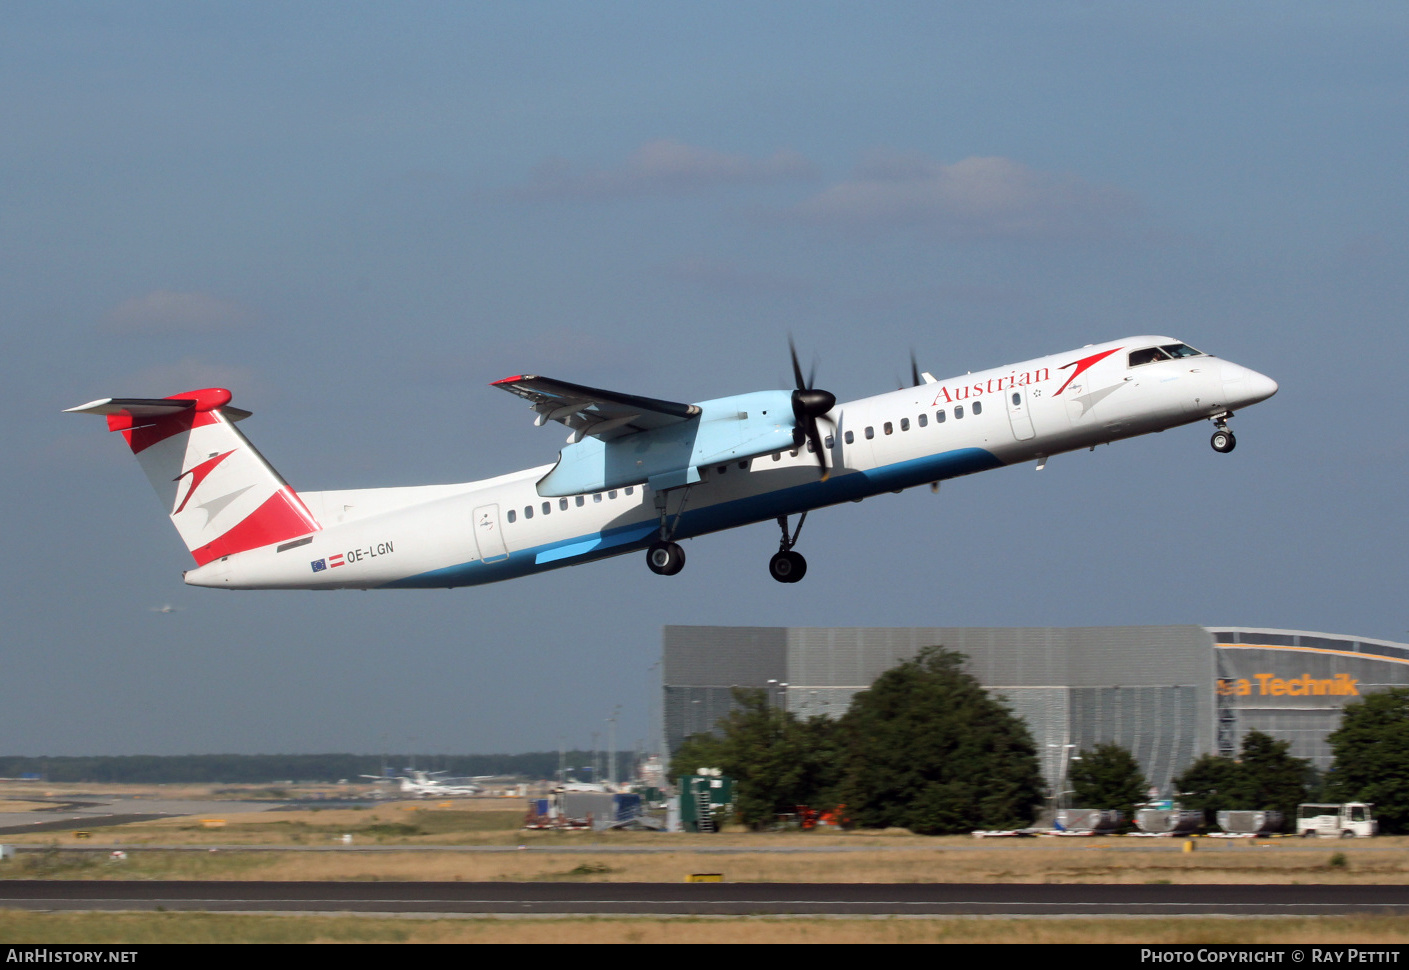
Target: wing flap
[[591, 411]]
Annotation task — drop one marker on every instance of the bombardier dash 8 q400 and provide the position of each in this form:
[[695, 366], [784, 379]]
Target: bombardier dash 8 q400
[[641, 474]]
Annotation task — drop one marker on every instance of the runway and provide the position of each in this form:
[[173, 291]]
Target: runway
[[707, 899]]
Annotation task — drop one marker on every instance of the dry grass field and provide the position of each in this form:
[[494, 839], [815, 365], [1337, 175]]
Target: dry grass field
[[480, 840], [133, 928], [457, 840]]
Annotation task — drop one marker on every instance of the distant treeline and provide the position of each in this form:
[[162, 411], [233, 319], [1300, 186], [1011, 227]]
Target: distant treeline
[[271, 768]]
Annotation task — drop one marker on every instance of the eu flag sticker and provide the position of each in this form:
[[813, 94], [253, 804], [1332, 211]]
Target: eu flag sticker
[[319, 565]]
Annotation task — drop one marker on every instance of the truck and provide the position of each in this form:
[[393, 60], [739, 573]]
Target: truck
[[1349, 820]]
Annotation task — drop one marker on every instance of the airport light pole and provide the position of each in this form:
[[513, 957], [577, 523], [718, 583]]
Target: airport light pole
[[611, 744]]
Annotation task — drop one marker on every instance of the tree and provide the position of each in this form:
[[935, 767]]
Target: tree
[[928, 749], [777, 761], [1108, 776], [1271, 777], [1372, 756], [1264, 776], [1208, 786], [696, 752]]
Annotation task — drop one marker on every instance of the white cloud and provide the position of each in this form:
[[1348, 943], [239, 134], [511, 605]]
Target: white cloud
[[975, 198], [665, 167], [163, 311]]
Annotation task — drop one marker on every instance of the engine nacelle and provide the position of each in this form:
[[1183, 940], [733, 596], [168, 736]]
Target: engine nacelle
[[726, 429]]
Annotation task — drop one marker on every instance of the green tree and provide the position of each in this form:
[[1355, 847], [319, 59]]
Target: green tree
[[1264, 776], [1372, 757], [696, 752], [1208, 785], [928, 749], [1271, 777], [1108, 776], [777, 761]]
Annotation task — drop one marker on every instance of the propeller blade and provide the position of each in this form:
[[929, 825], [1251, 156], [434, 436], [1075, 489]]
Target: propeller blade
[[809, 404], [797, 368], [914, 370]]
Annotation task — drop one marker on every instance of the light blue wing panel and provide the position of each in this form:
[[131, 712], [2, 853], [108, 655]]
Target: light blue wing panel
[[591, 412]]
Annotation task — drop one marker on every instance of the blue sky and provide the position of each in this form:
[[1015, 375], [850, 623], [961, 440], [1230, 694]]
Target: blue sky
[[356, 216]]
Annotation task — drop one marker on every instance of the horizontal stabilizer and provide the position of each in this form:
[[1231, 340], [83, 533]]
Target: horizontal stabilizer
[[139, 408]]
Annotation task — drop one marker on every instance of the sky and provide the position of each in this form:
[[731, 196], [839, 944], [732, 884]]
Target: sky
[[358, 215]]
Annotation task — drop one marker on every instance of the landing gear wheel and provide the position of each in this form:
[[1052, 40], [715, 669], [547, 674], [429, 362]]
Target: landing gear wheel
[[1223, 441], [787, 567], [665, 558]]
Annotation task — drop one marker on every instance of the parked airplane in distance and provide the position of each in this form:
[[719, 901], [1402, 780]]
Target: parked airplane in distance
[[642, 474], [427, 784]]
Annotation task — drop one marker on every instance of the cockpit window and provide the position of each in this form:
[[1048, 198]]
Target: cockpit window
[[1181, 350], [1147, 356]]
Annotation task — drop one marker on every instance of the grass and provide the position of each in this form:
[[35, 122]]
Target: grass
[[788, 858], [17, 927], [886, 856]]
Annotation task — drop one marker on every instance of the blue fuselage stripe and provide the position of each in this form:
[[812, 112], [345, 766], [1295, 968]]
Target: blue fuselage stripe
[[709, 518]]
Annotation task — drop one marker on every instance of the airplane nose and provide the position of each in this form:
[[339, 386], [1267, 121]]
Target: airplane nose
[[1243, 386], [1258, 387]]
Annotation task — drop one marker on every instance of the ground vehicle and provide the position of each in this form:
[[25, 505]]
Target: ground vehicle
[[1348, 821]]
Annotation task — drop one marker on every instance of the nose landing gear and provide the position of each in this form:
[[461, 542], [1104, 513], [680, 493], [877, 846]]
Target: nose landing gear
[[1223, 440]]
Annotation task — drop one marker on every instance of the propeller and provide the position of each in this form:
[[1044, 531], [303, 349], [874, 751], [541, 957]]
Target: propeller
[[809, 404], [915, 379]]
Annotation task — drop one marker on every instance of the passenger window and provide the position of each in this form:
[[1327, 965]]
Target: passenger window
[[547, 507], [793, 452], [630, 489], [743, 466], [528, 511], [611, 494], [722, 469], [512, 516], [596, 496], [870, 432], [849, 437], [830, 442], [978, 407], [958, 412], [810, 448], [888, 428], [1017, 398], [777, 456], [562, 505], [939, 417], [581, 500], [924, 420], [904, 424]]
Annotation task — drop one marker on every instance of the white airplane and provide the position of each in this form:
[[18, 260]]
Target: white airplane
[[642, 474], [428, 784]]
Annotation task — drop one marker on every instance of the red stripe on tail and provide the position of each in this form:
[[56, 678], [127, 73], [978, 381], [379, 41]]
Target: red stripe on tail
[[282, 516]]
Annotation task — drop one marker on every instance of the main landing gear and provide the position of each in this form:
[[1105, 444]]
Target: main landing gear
[[788, 566], [1223, 440], [665, 558]]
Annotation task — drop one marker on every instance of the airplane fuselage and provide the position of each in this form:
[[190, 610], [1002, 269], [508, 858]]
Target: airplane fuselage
[[486, 531]]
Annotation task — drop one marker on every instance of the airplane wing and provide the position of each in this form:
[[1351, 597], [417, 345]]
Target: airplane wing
[[590, 411]]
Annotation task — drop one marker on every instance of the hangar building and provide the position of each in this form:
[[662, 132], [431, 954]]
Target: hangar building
[[1167, 693]]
